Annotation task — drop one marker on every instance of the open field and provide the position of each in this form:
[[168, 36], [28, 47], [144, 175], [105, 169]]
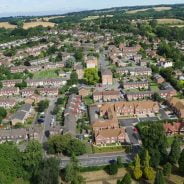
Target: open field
[[162, 8], [145, 9], [170, 21], [47, 18], [28, 25], [100, 177], [95, 17], [136, 11], [45, 74], [7, 25]]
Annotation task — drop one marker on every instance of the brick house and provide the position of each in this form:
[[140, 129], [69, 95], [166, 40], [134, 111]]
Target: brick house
[[135, 85], [109, 136], [84, 91], [177, 105], [174, 128], [107, 78], [11, 91], [91, 62], [80, 71], [26, 92], [158, 78], [7, 103], [11, 83], [48, 91], [106, 96]]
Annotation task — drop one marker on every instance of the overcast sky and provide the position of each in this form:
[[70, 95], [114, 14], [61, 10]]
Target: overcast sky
[[20, 7]]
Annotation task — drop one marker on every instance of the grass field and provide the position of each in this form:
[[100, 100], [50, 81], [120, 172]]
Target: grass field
[[162, 8], [95, 17], [145, 9], [170, 21], [28, 25], [6, 25], [45, 74], [113, 148]]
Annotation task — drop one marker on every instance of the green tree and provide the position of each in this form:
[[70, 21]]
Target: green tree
[[181, 162], [48, 172], [72, 172], [42, 105], [78, 55], [32, 157], [3, 112], [73, 78], [91, 76], [175, 151], [167, 169], [148, 171], [159, 179], [137, 172], [126, 179], [112, 168], [119, 161]]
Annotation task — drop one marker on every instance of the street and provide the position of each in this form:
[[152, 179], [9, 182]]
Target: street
[[98, 159], [48, 119]]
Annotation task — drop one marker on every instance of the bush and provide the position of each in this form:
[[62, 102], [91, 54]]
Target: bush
[[167, 168], [112, 169]]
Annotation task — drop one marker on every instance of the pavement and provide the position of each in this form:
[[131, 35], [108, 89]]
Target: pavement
[[133, 136], [98, 159], [48, 119]]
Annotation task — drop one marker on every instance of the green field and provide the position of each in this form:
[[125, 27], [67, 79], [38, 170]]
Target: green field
[[45, 74]]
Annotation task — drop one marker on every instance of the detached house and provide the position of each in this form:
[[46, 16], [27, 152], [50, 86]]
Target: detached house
[[107, 78], [174, 128]]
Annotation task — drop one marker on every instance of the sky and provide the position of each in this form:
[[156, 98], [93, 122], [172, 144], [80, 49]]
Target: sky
[[33, 7]]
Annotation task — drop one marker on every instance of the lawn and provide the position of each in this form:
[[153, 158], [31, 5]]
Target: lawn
[[45, 74], [97, 149]]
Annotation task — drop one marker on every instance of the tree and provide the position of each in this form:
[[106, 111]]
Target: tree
[[48, 172], [167, 168], [112, 168], [119, 161], [175, 151], [32, 157], [126, 179], [159, 179], [91, 76], [181, 162], [78, 55], [137, 173], [148, 171], [73, 78], [3, 112], [72, 172], [42, 105]]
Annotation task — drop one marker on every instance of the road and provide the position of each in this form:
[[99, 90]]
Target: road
[[133, 136], [103, 63], [48, 119], [98, 159]]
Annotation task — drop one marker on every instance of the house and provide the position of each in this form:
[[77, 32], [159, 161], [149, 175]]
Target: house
[[7, 103], [11, 83], [9, 91], [165, 64], [26, 92], [106, 96], [84, 91], [135, 71], [48, 91], [17, 69], [91, 62], [158, 78], [177, 105], [135, 85], [174, 128], [109, 136], [80, 71], [22, 114], [107, 78], [19, 134]]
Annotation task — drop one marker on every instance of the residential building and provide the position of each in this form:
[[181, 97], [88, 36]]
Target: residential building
[[107, 78]]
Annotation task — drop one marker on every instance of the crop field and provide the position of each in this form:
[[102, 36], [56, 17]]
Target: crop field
[[170, 21], [95, 17], [7, 25], [136, 11], [28, 25]]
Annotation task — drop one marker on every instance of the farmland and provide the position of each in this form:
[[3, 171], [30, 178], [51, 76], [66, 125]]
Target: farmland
[[170, 21], [28, 25], [7, 25]]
